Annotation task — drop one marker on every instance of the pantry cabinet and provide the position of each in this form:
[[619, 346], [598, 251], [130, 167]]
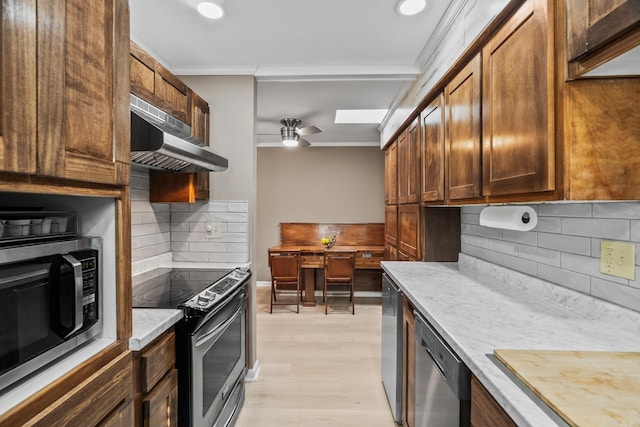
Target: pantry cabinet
[[462, 133], [391, 225], [391, 174], [517, 106], [409, 164], [65, 114], [432, 148], [599, 30]]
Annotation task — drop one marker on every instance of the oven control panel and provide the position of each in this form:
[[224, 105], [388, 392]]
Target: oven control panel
[[217, 291]]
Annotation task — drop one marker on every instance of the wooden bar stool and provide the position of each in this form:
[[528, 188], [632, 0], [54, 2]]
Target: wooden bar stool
[[338, 273], [285, 274]]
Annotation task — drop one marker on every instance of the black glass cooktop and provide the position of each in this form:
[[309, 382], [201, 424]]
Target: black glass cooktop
[[166, 288]]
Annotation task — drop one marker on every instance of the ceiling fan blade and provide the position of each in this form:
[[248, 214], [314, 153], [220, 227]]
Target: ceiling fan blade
[[308, 130], [303, 143]]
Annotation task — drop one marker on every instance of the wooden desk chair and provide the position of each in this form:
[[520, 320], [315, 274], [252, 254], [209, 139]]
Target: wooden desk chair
[[339, 272], [285, 274]]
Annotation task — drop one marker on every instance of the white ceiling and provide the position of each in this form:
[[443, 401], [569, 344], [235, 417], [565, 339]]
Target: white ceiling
[[309, 57]]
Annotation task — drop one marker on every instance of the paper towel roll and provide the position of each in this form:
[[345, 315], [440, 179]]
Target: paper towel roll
[[522, 218]]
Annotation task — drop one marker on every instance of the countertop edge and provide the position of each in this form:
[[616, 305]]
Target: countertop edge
[[150, 323]]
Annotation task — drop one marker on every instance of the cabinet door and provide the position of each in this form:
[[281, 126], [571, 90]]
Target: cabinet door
[[409, 235], [409, 164], [517, 93], [83, 90], [592, 24], [391, 174], [485, 411], [462, 133], [121, 417], [18, 86], [390, 252], [408, 365], [432, 136], [200, 131], [160, 407], [391, 224], [152, 82]]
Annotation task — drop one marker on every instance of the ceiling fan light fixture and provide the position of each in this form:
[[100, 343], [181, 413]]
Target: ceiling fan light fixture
[[290, 142], [210, 10], [410, 7]]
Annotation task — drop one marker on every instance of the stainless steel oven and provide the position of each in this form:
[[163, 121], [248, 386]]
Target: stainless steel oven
[[210, 340], [216, 354], [49, 303]]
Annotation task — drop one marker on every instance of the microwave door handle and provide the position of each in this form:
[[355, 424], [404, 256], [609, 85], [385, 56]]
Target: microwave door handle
[[77, 276]]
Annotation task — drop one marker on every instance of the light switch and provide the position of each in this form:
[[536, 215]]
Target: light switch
[[618, 259], [213, 230]]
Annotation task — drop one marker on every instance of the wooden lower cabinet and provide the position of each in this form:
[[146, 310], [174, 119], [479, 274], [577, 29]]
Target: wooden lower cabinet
[[102, 399], [408, 364], [485, 411], [156, 383], [122, 416]]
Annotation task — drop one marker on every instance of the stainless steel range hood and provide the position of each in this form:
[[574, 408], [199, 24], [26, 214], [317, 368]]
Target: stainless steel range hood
[[159, 141]]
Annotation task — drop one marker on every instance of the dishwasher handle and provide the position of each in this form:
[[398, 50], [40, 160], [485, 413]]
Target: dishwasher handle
[[453, 370]]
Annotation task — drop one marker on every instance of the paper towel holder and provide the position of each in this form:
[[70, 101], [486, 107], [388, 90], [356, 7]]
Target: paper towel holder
[[518, 217]]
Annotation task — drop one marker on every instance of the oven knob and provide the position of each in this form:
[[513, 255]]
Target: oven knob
[[210, 294], [203, 300]]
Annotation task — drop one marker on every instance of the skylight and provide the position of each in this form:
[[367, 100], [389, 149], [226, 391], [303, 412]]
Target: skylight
[[360, 116]]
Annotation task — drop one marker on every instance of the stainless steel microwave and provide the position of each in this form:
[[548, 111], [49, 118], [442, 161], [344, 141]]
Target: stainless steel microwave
[[50, 303]]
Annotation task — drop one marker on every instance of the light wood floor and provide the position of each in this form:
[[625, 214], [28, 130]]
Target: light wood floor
[[317, 370]]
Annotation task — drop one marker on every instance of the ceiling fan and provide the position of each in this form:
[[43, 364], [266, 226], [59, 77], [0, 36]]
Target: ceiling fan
[[291, 132]]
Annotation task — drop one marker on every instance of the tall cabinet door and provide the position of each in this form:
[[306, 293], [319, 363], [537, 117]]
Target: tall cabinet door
[[200, 131], [391, 174], [517, 92], [462, 133], [409, 164], [432, 124], [83, 90], [18, 86]]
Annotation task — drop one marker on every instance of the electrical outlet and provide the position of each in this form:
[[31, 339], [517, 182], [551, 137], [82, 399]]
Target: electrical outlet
[[213, 230], [618, 259]]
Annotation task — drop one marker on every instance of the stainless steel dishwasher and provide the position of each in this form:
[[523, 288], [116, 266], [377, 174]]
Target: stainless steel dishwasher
[[392, 345], [443, 381]]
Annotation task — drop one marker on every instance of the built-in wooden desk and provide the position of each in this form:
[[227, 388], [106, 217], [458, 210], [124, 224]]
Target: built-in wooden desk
[[366, 239]]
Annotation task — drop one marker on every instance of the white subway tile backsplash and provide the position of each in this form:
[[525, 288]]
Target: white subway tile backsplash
[[564, 248], [237, 227], [191, 256], [616, 229], [564, 243], [238, 207]]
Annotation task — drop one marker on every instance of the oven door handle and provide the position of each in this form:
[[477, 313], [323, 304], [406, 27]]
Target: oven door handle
[[204, 338]]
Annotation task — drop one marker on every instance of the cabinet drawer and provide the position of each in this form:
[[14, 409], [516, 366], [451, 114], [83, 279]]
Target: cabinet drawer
[[156, 360], [369, 260], [92, 400], [312, 261]]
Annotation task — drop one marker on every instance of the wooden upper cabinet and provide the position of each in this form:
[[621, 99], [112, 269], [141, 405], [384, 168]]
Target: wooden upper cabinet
[[462, 133], [391, 174], [18, 87], [200, 131], [517, 105], [594, 24], [432, 136], [409, 164], [66, 115], [391, 224], [152, 82]]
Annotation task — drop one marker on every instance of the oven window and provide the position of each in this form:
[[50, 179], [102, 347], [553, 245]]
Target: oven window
[[218, 362]]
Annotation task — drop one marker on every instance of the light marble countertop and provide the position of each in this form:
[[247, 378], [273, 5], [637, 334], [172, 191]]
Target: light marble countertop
[[150, 323], [478, 307]]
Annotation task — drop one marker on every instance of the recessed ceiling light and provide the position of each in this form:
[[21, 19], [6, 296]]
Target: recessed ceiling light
[[360, 116], [410, 7], [210, 10]]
